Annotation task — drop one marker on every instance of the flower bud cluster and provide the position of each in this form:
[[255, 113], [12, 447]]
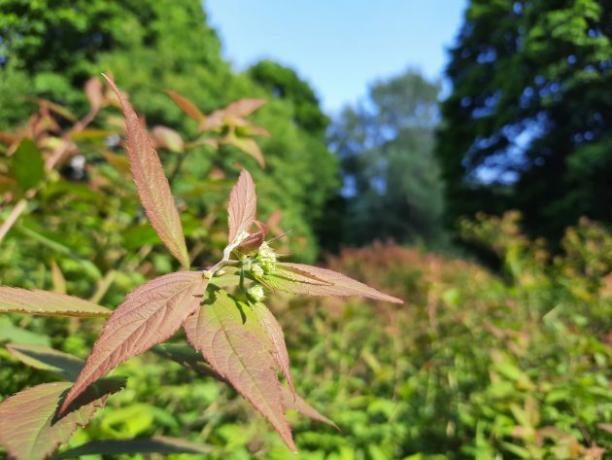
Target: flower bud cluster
[[266, 258]]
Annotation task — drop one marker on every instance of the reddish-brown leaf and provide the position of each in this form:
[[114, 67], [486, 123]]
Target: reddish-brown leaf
[[248, 146], [28, 427], [168, 138], [277, 340], [148, 316], [297, 403], [187, 106], [232, 342], [45, 303], [151, 182], [242, 207], [243, 107], [323, 282], [93, 91]]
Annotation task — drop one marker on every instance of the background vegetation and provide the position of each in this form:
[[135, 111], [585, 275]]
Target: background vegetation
[[503, 352]]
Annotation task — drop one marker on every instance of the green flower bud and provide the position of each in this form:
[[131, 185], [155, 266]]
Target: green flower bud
[[267, 258], [256, 293], [257, 270]]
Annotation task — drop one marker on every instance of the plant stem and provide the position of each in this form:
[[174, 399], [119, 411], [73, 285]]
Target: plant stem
[[12, 218]]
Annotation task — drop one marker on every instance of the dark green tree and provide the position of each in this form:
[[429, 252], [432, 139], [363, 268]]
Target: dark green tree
[[385, 144], [284, 83], [50, 48], [527, 124]]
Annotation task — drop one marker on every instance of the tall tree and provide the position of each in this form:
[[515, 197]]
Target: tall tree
[[527, 125], [385, 144]]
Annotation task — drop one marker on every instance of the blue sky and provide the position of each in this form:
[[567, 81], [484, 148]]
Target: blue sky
[[339, 46]]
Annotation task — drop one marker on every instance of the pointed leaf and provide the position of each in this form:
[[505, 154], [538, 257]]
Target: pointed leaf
[[297, 403], [187, 106], [47, 359], [231, 341], [324, 282], [244, 107], [248, 146], [148, 316], [12, 333], [151, 183], [168, 138], [242, 207], [29, 429], [94, 93], [44, 303], [277, 339], [155, 445]]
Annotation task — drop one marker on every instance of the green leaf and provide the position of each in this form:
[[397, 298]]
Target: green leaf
[[47, 359], [28, 165], [11, 333]]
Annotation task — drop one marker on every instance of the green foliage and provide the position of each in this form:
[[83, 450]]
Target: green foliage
[[527, 124], [220, 307], [284, 83], [51, 51], [392, 185], [476, 365]]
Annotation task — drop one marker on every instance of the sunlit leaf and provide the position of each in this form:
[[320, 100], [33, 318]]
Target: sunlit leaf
[[277, 339], [38, 302], [149, 315], [151, 182], [323, 282], [297, 403], [242, 207], [248, 146], [231, 341], [244, 107], [232, 115], [47, 359], [29, 428], [168, 138], [187, 106]]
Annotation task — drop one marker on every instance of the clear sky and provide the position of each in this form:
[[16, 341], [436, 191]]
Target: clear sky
[[339, 46]]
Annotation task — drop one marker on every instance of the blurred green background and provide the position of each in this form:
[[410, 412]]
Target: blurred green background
[[484, 199]]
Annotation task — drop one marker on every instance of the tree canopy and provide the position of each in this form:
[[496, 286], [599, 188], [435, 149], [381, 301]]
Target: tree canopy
[[527, 123], [153, 45]]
